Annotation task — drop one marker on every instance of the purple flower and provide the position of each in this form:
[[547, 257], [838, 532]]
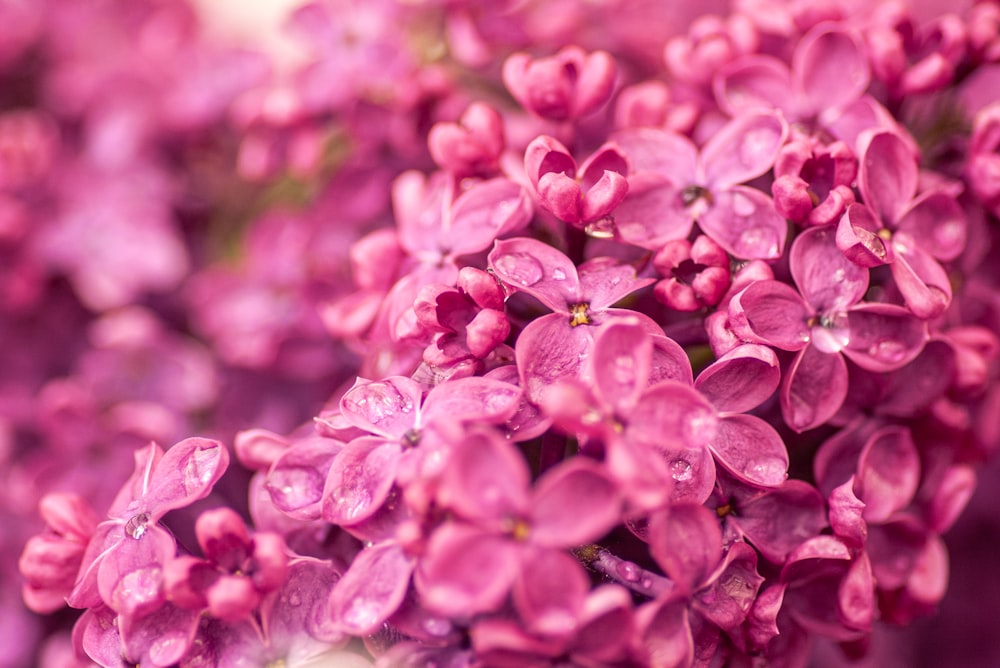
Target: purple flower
[[823, 322], [511, 535], [562, 87], [672, 184], [123, 564], [555, 346], [895, 226]]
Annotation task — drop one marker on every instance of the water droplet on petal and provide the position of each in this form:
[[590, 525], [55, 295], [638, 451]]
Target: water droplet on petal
[[624, 369], [136, 526], [519, 268], [436, 626], [558, 274], [889, 351], [758, 242], [361, 613], [766, 470], [628, 571], [681, 470], [294, 600], [348, 503], [600, 229]]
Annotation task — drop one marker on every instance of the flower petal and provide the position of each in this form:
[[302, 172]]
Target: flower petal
[[740, 380], [750, 449]]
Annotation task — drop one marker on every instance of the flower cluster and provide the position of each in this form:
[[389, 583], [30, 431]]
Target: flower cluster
[[509, 341]]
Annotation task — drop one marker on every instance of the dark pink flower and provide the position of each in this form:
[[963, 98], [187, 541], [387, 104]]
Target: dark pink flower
[[673, 184], [696, 274], [823, 322], [556, 345], [562, 87], [238, 570], [912, 233]]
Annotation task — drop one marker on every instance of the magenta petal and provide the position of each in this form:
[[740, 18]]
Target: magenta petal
[[484, 212], [602, 198], [847, 515], [826, 278], [538, 269], [771, 312], [754, 81], [686, 541], [604, 281], [727, 599], [957, 485], [836, 460], [476, 398], [97, 630], [664, 633], [858, 238], [130, 578], [740, 380], [780, 520], [887, 176], [359, 480], [548, 350], [813, 389], [750, 449], [928, 581], [666, 154], [856, 595], [762, 621], [560, 195], [935, 223], [888, 473], [186, 473], [486, 478], [605, 625], [743, 221], [830, 68], [574, 503], [546, 155], [160, 639], [295, 481], [670, 414], [371, 589], [549, 592], [923, 282], [651, 214], [743, 149], [387, 407], [669, 362], [884, 337], [621, 364], [465, 571], [894, 548]]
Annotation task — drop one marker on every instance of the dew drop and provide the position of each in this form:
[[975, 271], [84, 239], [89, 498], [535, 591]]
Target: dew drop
[[628, 571], [558, 274], [519, 268], [888, 350], [624, 370], [766, 470], [361, 613], [136, 527], [681, 470], [647, 583], [436, 626], [600, 229], [347, 504], [294, 600], [758, 242]]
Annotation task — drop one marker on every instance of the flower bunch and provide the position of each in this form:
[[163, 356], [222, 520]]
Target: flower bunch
[[651, 351]]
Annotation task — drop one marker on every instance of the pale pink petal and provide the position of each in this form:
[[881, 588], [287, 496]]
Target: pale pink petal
[[621, 364], [486, 479], [484, 212], [830, 68], [887, 176], [754, 81], [371, 589], [359, 480], [475, 398], [548, 350]]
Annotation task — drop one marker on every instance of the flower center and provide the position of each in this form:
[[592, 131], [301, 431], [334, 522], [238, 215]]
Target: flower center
[[580, 314]]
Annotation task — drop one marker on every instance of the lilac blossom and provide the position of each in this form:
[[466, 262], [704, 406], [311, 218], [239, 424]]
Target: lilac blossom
[[823, 323], [673, 184], [562, 87], [912, 233], [581, 298]]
